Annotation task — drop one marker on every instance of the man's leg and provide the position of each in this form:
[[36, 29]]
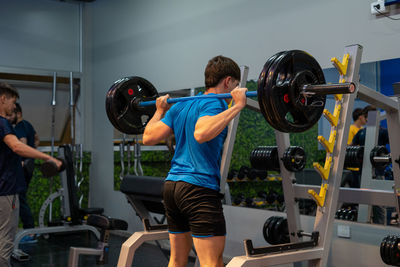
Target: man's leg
[[9, 206], [25, 212], [210, 250], [181, 244]]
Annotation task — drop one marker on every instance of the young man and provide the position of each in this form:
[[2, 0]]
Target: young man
[[191, 191], [27, 135], [360, 119], [11, 175]]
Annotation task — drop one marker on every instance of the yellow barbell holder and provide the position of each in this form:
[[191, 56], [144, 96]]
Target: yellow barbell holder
[[319, 198], [341, 66], [324, 171]]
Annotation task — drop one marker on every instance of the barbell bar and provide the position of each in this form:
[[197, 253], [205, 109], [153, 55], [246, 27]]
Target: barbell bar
[[308, 89]]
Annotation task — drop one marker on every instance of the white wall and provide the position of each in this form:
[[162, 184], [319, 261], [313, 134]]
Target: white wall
[[39, 35]]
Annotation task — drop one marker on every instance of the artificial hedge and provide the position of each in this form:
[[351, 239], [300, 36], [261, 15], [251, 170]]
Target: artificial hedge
[[39, 189]]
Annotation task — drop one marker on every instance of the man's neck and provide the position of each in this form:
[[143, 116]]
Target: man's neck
[[214, 90], [18, 120]]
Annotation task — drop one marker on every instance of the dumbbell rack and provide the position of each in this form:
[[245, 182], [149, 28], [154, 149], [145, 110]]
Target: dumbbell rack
[[330, 192]]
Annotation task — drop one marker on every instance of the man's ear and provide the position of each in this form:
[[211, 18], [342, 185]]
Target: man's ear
[[2, 98], [226, 81]]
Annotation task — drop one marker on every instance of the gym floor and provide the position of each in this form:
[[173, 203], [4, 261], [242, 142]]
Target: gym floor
[[54, 252]]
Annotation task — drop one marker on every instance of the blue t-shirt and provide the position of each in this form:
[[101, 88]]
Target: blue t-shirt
[[25, 129], [195, 163], [11, 175]]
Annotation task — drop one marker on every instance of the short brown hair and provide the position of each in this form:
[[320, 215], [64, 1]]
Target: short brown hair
[[8, 90], [218, 68]]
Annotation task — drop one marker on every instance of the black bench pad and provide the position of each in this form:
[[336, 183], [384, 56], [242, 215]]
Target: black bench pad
[[142, 186], [106, 223]]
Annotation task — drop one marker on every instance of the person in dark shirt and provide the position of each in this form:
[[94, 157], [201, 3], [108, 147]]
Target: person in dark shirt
[[26, 134], [11, 174], [359, 138]]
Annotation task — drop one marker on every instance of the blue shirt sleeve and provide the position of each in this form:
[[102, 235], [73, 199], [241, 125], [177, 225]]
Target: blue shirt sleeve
[[168, 118]]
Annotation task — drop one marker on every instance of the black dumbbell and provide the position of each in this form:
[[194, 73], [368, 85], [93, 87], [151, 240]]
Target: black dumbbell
[[49, 167], [254, 174], [271, 197], [232, 174], [243, 172], [237, 200]]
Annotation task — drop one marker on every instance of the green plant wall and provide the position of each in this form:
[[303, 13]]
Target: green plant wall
[[40, 188]]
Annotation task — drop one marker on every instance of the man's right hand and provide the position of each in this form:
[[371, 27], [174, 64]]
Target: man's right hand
[[58, 162], [162, 104], [239, 96]]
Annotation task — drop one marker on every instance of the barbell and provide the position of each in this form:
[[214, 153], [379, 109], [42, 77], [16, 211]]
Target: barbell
[[291, 94]]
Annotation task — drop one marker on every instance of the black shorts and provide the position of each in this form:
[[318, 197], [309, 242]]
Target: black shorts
[[195, 209]]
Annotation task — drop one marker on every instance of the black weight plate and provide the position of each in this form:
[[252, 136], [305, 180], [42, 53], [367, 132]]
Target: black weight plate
[[282, 228], [270, 231], [263, 98], [294, 159], [265, 228], [394, 250], [382, 250], [378, 151], [387, 249], [279, 231], [122, 113], [280, 88]]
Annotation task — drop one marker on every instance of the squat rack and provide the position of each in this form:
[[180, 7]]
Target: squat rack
[[330, 192]]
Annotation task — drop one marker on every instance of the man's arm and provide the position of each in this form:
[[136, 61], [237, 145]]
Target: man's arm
[[26, 151], [208, 127], [156, 130]]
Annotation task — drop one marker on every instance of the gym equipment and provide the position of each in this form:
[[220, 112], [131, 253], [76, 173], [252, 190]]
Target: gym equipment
[[354, 157], [275, 230], [266, 158], [105, 224], [291, 94], [53, 128], [121, 112], [254, 174], [347, 214], [50, 169], [294, 159], [144, 193], [237, 200], [380, 157], [72, 216], [243, 172], [389, 250], [232, 174]]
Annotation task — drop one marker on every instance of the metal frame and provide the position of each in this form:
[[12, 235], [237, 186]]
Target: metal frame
[[229, 143], [324, 219]]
